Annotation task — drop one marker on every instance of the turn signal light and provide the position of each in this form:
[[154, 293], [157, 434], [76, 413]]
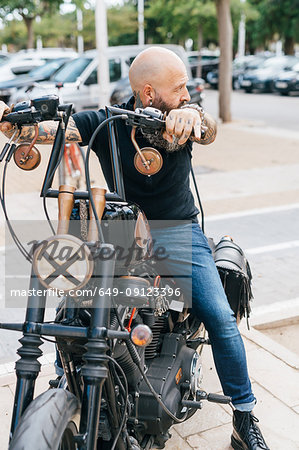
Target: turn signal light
[[141, 335]]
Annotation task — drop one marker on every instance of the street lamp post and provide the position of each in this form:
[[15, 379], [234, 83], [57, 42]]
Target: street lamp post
[[102, 44], [80, 42], [141, 22], [242, 33]]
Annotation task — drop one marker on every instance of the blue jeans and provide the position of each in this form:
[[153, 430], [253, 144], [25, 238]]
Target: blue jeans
[[202, 283]]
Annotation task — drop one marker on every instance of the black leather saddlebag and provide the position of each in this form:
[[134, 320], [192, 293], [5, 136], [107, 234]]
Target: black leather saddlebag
[[235, 274]]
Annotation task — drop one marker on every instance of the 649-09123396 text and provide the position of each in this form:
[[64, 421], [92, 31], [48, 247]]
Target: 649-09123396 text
[[113, 292]]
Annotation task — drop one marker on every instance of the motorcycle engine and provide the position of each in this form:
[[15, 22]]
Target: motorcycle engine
[[175, 373]]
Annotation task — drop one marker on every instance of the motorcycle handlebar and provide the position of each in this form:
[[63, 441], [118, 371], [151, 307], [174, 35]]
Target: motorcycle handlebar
[[34, 111], [48, 108], [147, 118]]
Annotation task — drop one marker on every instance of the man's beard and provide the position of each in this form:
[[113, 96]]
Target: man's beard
[[157, 140]]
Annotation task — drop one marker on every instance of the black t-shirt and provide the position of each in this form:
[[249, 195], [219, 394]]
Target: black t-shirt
[[163, 196]]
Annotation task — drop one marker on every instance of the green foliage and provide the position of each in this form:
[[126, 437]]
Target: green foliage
[[28, 8], [277, 19], [174, 21], [122, 24]]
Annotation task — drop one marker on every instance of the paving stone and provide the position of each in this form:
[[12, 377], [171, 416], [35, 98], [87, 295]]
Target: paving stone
[[10, 367], [42, 384], [296, 409], [209, 417], [215, 439], [176, 442], [210, 381], [273, 374], [249, 346], [279, 424], [3, 369], [5, 414]]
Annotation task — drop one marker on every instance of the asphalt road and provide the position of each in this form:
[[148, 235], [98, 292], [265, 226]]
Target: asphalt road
[[270, 240], [271, 110]]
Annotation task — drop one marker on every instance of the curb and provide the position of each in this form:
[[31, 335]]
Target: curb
[[7, 370]]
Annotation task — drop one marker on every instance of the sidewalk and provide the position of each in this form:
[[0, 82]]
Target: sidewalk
[[275, 384]]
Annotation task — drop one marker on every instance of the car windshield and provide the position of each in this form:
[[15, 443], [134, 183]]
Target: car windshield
[[47, 69], [71, 71]]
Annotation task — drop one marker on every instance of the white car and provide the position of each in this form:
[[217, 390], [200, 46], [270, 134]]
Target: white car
[[79, 76], [23, 61]]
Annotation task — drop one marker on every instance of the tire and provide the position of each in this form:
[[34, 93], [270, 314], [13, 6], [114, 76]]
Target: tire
[[49, 423], [248, 91]]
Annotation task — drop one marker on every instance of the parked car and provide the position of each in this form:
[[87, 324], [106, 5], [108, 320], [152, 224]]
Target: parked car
[[122, 91], [262, 79], [4, 57], [239, 67], [209, 61], [42, 73], [288, 81], [23, 61], [79, 77]]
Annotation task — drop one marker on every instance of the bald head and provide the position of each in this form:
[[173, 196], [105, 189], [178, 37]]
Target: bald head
[[153, 67]]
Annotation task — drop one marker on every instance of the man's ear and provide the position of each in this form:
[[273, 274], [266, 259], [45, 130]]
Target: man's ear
[[149, 94]]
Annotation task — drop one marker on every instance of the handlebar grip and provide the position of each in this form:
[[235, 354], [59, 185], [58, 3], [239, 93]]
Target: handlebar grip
[[4, 151], [11, 152]]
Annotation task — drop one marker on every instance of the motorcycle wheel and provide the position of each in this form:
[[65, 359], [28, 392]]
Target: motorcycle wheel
[[49, 422]]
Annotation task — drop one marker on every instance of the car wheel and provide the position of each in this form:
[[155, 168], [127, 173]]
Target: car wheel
[[248, 90]]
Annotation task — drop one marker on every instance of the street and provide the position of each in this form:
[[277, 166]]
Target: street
[[248, 181], [271, 110]]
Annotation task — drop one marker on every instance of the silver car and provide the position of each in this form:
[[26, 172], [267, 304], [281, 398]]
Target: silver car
[[79, 77]]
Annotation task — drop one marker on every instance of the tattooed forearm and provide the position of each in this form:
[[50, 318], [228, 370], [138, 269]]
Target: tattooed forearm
[[46, 133], [138, 102], [72, 132], [211, 131]]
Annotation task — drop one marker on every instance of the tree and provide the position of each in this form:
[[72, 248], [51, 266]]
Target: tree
[[28, 10], [122, 24], [278, 17], [176, 21], [225, 31]]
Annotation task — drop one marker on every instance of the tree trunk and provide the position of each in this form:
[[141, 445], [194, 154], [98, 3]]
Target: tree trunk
[[225, 33], [199, 46], [30, 35], [289, 44]]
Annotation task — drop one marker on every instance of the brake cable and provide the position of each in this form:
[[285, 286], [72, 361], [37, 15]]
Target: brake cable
[[87, 176], [17, 241]]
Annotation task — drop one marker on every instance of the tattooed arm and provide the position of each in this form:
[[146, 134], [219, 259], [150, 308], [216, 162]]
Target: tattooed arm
[[46, 132], [211, 131]]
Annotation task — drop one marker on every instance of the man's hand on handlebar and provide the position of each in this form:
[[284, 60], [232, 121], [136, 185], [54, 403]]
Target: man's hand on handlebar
[[179, 125]]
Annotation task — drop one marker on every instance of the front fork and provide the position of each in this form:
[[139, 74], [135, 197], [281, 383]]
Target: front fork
[[28, 366], [95, 369]]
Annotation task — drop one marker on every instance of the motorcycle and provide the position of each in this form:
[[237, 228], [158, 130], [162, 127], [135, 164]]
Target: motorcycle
[[131, 361]]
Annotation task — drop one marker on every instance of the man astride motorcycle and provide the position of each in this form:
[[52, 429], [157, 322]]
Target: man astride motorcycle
[[158, 78]]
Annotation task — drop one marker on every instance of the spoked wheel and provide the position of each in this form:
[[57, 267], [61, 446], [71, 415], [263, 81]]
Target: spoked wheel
[[49, 422]]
